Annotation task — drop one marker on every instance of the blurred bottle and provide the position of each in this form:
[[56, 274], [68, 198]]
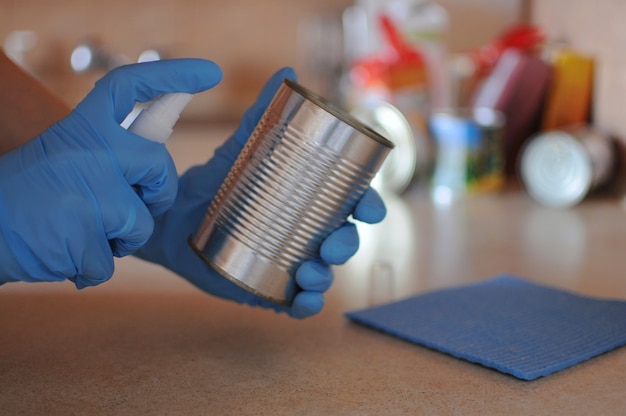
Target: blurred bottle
[[398, 57], [425, 24], [517, 87], [396, 76], [470, 157], [569, 96], [470, 69]]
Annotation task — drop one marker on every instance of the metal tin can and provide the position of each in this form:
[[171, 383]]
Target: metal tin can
[[470, 155], [298, 178], [559, 168]]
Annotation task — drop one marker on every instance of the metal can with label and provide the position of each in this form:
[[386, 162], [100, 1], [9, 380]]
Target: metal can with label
[[470, 156]]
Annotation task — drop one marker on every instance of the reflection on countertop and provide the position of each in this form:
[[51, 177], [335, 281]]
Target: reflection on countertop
[[428, 246]]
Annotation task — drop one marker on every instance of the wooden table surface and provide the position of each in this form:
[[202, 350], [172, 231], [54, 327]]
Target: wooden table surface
[[147, 342]]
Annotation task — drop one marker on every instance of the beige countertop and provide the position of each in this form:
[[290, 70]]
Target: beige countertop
[[147, 342]]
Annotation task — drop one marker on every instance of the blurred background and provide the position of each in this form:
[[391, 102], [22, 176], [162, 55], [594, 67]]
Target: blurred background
[[69, 44], [249, 39]]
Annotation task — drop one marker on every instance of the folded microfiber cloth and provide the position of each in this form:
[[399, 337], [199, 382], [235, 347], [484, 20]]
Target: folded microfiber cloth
[[505, 323]]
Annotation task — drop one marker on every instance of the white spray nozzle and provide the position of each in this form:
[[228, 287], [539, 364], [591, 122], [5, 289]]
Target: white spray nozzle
[[157, 120]]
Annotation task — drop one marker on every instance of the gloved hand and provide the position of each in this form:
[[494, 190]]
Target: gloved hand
[[168, 245], [86, 189]]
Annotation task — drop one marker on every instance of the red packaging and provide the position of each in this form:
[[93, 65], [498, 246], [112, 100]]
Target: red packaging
[[517, 88]]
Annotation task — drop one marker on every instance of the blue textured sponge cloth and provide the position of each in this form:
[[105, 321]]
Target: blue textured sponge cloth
[[505, 323]]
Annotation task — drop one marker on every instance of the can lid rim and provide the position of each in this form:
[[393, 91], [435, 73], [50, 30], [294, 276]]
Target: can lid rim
[[339, 114], [542, 188]]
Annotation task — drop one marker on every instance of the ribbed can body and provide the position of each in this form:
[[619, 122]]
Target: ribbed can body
[[298, 178]]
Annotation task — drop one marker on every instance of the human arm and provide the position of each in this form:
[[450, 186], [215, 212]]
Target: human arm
[[27, 108]]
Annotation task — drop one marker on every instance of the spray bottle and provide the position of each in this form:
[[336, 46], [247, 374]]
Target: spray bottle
[[156, 120]]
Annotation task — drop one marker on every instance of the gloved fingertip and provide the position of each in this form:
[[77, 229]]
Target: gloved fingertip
[[157, 198], [314, 276], [203, 73], [213, 73], [307, 304], [340, 245], [122, 248], [81, 282], [370, 208], [158, 201], [159, 209], [286, 72]]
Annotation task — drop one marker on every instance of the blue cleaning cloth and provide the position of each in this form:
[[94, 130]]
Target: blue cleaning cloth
[[505, 323]]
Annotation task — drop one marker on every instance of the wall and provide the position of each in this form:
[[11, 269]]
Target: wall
[[248, 38], [239, 35], [595, 28]]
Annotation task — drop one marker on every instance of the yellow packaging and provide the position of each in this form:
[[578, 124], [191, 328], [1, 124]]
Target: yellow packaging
[[569, 97]]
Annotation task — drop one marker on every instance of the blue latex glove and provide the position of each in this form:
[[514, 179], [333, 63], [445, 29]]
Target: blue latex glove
[[168, 245], [86, 189]]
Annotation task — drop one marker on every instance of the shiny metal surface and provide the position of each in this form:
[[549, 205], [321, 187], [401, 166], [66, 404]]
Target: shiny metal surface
[[560, 167], [400, 168], [296, 180]]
